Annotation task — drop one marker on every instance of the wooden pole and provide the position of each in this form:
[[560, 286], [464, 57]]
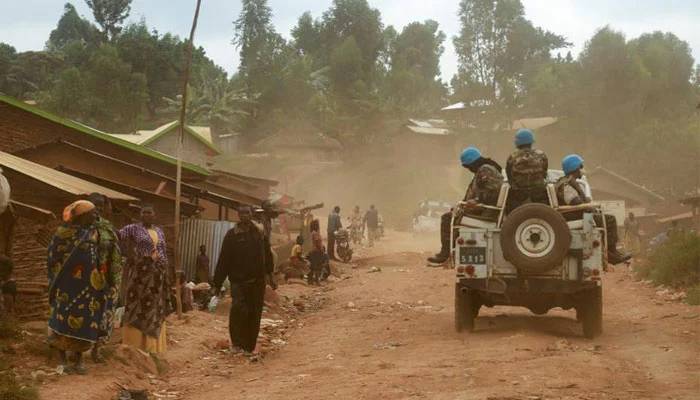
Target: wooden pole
[[180, 144]]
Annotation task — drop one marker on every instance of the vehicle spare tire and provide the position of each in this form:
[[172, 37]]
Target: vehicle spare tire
[[535, 238]]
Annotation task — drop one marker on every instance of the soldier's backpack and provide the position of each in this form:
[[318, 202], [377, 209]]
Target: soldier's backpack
[[529, 169]]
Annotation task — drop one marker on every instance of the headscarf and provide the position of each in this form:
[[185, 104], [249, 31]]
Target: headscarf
[[77, 208]]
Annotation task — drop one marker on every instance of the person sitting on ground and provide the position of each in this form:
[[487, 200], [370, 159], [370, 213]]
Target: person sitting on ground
[[8, 287], [526, 169], [570, 192], [297, 265], [484, 188]]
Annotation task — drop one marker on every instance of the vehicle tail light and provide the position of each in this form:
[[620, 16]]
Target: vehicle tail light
[[469, 270], [595, 272], [460, 269], [596, 244], [460, 241]]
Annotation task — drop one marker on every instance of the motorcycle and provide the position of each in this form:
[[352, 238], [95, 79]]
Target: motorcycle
[[356, 233], [380, 228], [342, 245]]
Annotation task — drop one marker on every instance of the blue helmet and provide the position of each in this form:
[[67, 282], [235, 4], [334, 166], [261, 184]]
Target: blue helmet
[[571, 163], [469, 155], [523, 137]]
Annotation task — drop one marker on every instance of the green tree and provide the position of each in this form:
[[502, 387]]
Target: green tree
[[71, 27], [110, 14], [356, 19], [413, 83], [494, 43], [307, 35], [669, 66]]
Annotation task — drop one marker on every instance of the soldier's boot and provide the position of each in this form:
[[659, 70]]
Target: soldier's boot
[[616, 257], [443, 255]]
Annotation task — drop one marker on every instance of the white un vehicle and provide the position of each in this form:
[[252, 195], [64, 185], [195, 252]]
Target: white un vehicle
[[534, 258]]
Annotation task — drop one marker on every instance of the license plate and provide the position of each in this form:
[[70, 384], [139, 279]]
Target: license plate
[[472, 255]]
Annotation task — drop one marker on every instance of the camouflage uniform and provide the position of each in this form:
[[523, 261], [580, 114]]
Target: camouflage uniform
[[527, 173], [570, 193], [484, 188]]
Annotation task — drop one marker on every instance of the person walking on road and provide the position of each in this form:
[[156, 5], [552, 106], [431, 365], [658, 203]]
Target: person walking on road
[[246, 260], [334, 224], [371, 220], [632, 234]]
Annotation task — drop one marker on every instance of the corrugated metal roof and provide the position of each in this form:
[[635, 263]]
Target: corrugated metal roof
[[58, 179], [114, 139], [428, 131], [533, 123], [144, 137], [601, 170]]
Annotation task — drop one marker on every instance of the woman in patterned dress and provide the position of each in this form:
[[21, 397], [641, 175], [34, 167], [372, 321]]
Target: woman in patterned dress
[[81, 282], [146, 290]]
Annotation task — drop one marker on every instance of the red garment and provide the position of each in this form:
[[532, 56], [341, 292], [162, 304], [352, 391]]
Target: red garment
[[317, 240]]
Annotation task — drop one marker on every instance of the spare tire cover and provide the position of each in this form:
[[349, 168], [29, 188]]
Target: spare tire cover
[[535, 238], [4, 193]]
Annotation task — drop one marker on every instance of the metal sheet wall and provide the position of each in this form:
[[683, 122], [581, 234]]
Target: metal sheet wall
[[196, 232]]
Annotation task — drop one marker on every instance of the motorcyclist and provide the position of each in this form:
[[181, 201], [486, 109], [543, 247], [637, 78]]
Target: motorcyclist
[[484, 188], [570, 192], [526, 170]]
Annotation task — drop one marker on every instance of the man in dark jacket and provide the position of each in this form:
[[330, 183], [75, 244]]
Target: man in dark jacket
[[372, 221], [246, 260], [334, 224]]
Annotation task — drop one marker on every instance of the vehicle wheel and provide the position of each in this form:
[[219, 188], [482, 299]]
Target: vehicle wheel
[[535, 238], [465, 310], [592, 313]]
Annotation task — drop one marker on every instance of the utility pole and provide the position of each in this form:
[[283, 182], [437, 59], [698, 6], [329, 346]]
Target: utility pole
[[180, 144]]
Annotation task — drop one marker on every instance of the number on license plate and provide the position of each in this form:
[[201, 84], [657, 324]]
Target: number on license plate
[[472, 255]]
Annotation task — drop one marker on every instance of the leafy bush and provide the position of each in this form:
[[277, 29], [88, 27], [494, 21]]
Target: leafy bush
[[11, 389], [675, 263], [693, 296]]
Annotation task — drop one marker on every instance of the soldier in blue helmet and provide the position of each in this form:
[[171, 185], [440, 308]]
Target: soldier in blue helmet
[[526, 170], [484, 188], [570, 192]]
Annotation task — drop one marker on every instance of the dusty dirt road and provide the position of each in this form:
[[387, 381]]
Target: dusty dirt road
[[390, 335]]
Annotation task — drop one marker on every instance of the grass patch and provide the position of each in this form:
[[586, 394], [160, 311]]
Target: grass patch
[[676, 264], [12, 389], [693, 296]]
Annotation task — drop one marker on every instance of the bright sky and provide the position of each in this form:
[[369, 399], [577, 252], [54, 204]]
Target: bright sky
[[26, 24]]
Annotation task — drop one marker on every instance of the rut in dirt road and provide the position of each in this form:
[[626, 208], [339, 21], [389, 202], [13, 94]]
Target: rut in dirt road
[[390, 335]]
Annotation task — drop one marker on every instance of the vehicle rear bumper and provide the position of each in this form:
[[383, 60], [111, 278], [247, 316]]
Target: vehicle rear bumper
[[527, 285]]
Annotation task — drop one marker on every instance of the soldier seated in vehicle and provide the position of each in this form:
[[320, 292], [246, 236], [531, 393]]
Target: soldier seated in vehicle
[[570, 192], [526, 169], [484, 188]]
